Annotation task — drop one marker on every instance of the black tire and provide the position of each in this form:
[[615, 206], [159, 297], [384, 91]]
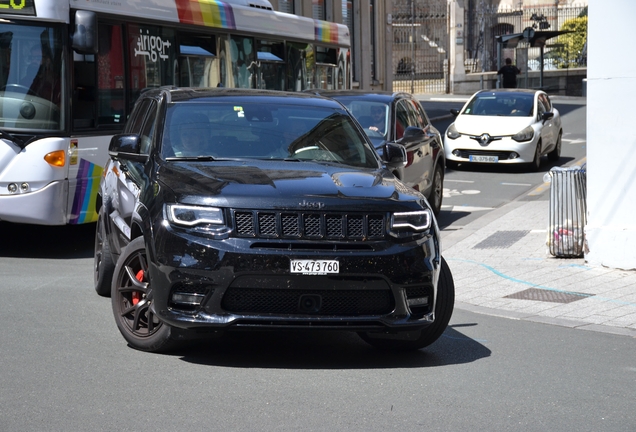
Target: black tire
[[414, 340], [131, 299], [437, 190], [452, 165], [103, 265], [535, 165], [555, 154]]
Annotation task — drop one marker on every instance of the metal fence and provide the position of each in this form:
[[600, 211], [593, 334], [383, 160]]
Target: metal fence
[[420, 46], [484, 22]]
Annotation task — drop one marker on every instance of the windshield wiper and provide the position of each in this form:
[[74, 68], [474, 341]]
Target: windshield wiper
[[19, 141], [191, 158]]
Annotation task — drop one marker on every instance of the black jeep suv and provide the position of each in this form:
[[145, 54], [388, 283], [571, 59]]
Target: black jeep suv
[[222, 209]]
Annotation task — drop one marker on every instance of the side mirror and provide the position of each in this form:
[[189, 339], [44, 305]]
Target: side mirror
[[547, 116], [412, 134], [394, 155], [454, 111], [126, 146], [85, 33]]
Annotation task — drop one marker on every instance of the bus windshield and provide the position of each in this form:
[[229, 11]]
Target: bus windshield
[[31, 78]]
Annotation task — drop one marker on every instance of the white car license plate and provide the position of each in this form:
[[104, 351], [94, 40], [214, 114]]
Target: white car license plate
[[487, 159], [314, 267]]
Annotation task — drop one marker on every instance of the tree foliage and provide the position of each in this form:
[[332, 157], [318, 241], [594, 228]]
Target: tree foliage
[[572, 51]]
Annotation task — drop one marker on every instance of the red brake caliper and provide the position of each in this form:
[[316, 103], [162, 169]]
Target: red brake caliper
[[136, 295]]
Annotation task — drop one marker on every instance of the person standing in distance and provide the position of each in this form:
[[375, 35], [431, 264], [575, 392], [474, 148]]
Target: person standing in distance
[[509, 73]]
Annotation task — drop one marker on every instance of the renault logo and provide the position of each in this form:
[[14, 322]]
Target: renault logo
[[485, 139]]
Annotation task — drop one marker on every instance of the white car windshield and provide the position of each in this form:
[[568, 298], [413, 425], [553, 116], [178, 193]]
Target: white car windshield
[[509, 104]]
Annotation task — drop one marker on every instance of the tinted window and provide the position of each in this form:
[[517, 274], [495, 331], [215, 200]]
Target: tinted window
[[265, 131], [147, 132], [137, 117]]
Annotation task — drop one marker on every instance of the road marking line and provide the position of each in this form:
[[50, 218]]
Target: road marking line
[[516, 184], [458, 181]]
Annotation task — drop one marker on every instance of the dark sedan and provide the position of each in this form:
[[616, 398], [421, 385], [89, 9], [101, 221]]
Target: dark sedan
[[400, 118], [226, 209]]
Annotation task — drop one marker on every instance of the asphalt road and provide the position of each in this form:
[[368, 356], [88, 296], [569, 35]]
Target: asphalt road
[[66, 368]]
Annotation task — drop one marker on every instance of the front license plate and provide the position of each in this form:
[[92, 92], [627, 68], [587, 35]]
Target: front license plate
[[487, 159], [314, 267]]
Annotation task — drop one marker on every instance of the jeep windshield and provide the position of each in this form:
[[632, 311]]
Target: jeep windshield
[[271, 130]]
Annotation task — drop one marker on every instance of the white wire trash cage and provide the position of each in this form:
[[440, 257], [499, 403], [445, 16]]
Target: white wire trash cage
[[568, 211]]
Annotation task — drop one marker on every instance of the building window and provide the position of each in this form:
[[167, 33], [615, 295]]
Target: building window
[[286, 6], [318, 10]]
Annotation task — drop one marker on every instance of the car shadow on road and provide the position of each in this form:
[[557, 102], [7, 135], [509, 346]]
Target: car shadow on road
[[54, 242], [328, 350]]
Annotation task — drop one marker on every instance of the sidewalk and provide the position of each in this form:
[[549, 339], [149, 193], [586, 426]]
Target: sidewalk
[[501, 266]]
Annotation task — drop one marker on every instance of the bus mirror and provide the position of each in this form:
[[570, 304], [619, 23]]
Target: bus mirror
[[85, 34]]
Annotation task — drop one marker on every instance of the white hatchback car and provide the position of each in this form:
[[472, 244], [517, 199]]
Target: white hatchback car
[[507, 126]]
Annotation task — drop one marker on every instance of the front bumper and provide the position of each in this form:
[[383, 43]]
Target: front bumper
[[247, 283], [507, 150]]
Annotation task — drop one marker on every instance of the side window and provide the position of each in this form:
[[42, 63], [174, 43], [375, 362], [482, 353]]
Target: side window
[[541, 106], [401, 119], [148, 130], [421, 115], [137, 117], [546, 102]]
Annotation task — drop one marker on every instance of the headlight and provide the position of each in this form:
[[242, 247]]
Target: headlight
[[452, 132], [411, 221], [524, 135], [193, 215]]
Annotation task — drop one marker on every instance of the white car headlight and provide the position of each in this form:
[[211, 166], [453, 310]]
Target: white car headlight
[[525, 135], [193, 215], [452, 132], [412, 221]]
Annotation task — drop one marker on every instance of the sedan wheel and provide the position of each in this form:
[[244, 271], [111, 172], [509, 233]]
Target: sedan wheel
[[413, 340], [132, 300], [536, 162], [555, 154], [437, 190]]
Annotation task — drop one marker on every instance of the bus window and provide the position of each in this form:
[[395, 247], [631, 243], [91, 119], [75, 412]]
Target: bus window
[[341, 71], [98, 95], [153, 58], [243, 61], [31, 75], [198, 63], [300, 66], [271, 65]]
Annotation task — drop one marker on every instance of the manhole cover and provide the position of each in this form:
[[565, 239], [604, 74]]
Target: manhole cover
[[501, 240], [548, 295]]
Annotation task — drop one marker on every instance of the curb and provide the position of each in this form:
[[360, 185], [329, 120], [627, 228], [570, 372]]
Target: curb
[[561, 322]]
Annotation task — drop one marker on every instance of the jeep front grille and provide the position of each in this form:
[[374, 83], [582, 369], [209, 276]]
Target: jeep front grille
[[312, 226]]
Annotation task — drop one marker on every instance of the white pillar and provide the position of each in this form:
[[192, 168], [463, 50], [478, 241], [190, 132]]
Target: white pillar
[[457, 40], [611, 137]]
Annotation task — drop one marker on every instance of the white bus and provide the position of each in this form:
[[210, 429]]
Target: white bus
[[71, 70]]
